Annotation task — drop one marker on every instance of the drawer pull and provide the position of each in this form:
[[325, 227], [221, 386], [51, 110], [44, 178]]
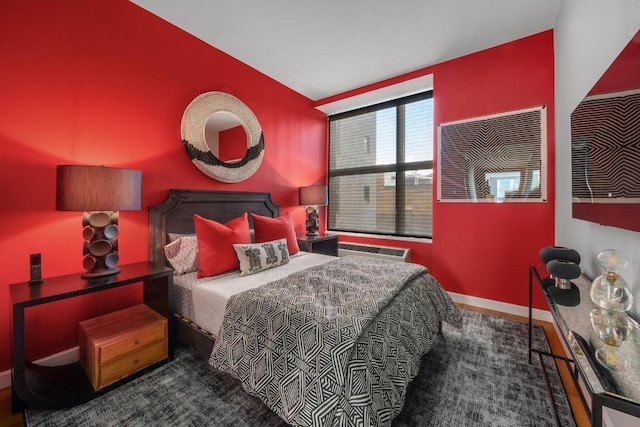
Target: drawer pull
[[136, 342], [135, 362]]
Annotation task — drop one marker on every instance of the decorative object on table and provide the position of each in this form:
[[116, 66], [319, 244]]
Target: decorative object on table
[[609, 290], [564, 292], [549, 253], [613, 329], [563, 266], [35, 270], [313, 196], [100, 192], [209, 129]]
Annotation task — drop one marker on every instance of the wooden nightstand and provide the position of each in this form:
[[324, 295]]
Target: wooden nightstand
[[326, 244], [118, 344]]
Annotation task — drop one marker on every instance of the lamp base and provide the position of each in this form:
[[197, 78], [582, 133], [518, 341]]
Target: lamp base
[[567, 297], [98, 273], [312, 222]]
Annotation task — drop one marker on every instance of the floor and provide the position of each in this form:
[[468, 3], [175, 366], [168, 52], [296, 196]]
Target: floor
[[581, 417], [579, 414]]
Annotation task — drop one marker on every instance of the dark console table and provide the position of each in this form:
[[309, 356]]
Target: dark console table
[[603, 392], [63, 386]]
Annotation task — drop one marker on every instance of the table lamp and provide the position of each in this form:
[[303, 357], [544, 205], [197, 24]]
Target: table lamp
[[313, 196], [100, 192]]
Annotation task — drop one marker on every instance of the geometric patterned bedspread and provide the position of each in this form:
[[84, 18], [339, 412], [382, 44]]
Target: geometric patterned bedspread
[[337, 344]]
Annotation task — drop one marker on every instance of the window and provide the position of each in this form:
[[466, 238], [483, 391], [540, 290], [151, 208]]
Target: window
[[381, 168]]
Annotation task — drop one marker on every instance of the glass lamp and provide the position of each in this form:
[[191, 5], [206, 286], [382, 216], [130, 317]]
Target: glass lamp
[[313, 196], [100, 192], [609, 290]]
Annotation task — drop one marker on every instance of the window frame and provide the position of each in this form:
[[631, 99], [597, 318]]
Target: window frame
[[399, 167]]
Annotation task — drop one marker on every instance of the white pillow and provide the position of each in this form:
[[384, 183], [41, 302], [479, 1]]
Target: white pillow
[[261, 256], [182, 254]]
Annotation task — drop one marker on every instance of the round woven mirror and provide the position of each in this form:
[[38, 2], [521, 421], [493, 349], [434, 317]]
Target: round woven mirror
[[222, 137]]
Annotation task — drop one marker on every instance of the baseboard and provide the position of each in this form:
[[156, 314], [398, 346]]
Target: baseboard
[[62, 358], [503, 307], [71, 355]]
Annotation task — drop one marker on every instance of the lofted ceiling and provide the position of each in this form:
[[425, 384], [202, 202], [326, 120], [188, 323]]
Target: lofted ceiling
[[323, 48]]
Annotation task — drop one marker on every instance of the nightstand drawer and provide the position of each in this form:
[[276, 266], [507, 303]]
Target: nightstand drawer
[[132, 342], [130, 363]]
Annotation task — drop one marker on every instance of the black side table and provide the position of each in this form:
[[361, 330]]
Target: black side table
[[44, 387], [326, 244]]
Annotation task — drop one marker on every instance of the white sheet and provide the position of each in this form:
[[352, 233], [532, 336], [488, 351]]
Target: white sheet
[[209, 295]]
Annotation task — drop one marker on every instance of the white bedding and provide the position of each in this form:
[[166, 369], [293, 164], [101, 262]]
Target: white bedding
[[203, 301]]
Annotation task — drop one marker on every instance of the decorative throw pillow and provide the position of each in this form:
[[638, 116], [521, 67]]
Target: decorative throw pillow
[[261, 256], [268, 229], [182, 254], [215, 244]]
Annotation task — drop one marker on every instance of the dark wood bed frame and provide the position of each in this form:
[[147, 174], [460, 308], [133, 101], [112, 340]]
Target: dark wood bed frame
[[175, 215]]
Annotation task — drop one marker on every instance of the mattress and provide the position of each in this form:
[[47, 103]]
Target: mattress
[[203, 301]]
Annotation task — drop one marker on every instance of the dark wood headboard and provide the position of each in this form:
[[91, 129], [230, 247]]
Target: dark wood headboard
[[175, 214]]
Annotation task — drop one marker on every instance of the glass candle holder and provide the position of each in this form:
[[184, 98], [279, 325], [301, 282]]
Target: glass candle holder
[[609, 290]]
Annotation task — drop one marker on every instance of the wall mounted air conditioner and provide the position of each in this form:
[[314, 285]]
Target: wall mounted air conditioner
[[374, 251]]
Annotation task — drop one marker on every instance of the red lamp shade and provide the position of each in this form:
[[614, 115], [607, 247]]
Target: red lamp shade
[[99, 191]]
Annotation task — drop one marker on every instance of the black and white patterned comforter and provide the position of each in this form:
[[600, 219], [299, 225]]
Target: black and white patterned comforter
[[335, 344]]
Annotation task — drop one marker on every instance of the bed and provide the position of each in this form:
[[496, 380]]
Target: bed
[[323, 341]]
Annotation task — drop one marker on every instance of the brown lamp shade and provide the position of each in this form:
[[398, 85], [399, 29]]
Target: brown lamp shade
[[97, 188], [100, 192], [314, 195]]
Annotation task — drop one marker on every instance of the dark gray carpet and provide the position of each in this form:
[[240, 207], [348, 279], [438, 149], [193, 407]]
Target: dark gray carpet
[[476, 376]]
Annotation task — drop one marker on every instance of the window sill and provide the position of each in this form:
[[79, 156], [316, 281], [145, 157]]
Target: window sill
[[381, 236]]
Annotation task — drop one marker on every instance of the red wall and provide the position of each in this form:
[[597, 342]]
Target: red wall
[[623, 73], [96, 82], [484, 249]]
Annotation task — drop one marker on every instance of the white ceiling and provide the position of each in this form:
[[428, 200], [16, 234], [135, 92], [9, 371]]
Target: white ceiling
[[323, 48]]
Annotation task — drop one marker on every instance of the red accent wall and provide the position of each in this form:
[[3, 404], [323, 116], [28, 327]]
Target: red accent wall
[[96, 82], [484, 249], [622, 74]]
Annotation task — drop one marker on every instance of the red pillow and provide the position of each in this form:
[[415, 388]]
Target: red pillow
[[267, 229], [215, 244]]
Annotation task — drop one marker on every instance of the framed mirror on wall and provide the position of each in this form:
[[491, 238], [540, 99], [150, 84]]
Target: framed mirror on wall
[[605, 146], [222, 137]]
